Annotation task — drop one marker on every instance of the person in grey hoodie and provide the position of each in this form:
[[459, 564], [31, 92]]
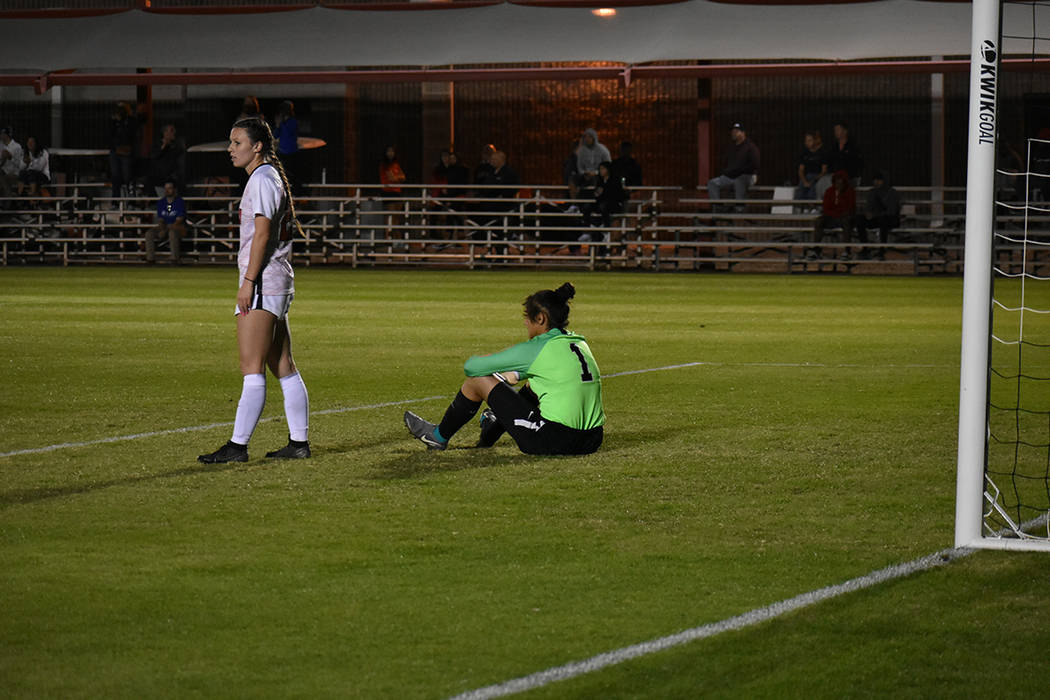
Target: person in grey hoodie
[[589, 155]]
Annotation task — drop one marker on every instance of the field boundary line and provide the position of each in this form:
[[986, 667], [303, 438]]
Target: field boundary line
[[330, 411], [796, 365], [207, 426], [737, 622]]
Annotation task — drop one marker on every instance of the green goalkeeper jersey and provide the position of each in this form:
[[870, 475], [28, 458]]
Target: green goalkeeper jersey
[[561, 370]]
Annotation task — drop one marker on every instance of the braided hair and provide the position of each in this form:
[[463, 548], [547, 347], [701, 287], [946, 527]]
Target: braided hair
[[554, 303], [259, 132]]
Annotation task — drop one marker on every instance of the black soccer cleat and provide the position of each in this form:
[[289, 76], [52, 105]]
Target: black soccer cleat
[[230, 452], [491, 430], [293, 450], [423, 431]]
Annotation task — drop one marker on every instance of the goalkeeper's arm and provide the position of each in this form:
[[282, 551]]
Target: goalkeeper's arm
[[517, 359]]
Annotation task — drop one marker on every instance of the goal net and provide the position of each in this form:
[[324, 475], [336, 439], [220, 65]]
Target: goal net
[[1003, 492]]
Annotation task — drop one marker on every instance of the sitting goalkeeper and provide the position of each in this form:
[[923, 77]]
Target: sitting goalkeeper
[[559, 412]]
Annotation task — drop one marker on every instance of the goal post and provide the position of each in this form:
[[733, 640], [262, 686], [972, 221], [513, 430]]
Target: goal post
[[977, 275], [981, 520]]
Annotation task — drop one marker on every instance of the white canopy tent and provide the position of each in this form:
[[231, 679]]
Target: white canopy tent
[[496, 34], [505, 41]]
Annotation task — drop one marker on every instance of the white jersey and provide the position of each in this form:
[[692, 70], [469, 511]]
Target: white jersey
[[13, 165], [264, 196], [40, 162]]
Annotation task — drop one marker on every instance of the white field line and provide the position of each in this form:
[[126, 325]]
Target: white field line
[[208, 426], [737, 622], [748, 619], [330, 411], [797, 365]]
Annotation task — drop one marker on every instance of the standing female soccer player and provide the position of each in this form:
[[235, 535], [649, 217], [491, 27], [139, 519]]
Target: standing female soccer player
[[558, 413], [267, 222]]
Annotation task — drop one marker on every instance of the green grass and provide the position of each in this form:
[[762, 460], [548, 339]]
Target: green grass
[[816, 445]]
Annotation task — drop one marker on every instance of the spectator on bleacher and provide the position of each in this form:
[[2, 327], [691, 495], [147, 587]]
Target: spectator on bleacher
[[589, 155], [625, 168], [286, 129], [249, 108], [457, 174], [741, 170], [812, 165], [609, 198], [882, 211], [844, 155], [36, 172], [286, 135], [503, 174], [171, 223], [439, 175], [840, 206], [484, 167], [167, 161], [390, 173], [447, 170], [391, 176], [11, 161], [122, 127], [506, 177]]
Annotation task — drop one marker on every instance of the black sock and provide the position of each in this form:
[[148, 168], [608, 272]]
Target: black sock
[[298, 443], [458, 414]]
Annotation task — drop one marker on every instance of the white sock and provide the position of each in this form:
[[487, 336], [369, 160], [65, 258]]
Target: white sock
[[249, 408], [296, 406]]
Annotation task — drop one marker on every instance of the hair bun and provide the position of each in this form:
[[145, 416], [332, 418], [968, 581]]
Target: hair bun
[[565, 292]]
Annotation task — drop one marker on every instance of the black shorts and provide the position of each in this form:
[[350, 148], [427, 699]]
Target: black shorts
[[534, 434]]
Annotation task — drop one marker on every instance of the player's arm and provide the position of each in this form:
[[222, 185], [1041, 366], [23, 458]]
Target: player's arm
[[515, 359], [256, 258], [266, 199]]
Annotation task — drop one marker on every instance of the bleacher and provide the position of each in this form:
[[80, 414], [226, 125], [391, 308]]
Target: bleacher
[[662, 228]]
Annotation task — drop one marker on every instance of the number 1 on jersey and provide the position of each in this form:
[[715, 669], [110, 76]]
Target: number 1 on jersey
[[586, 376]]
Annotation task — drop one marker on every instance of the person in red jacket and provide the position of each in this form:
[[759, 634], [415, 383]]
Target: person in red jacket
[[390, 177], [840, 206]]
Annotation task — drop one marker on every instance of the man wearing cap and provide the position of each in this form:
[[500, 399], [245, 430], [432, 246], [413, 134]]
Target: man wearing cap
[[10, 162], [741, 169]]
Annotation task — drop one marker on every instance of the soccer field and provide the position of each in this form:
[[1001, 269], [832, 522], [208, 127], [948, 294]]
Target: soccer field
[[767, 436]]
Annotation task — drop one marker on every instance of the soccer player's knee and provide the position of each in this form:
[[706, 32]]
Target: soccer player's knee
[[478, 388], [252, 365], [252, 368]]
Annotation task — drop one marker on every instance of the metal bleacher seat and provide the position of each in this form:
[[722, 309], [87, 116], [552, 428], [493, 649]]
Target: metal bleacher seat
[[347, 223]]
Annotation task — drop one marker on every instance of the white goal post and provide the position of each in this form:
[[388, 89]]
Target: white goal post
[[976, 496]]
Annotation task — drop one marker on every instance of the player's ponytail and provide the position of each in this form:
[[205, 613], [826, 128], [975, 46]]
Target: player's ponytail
[[259, 132], [554, 303], [275, 161]]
